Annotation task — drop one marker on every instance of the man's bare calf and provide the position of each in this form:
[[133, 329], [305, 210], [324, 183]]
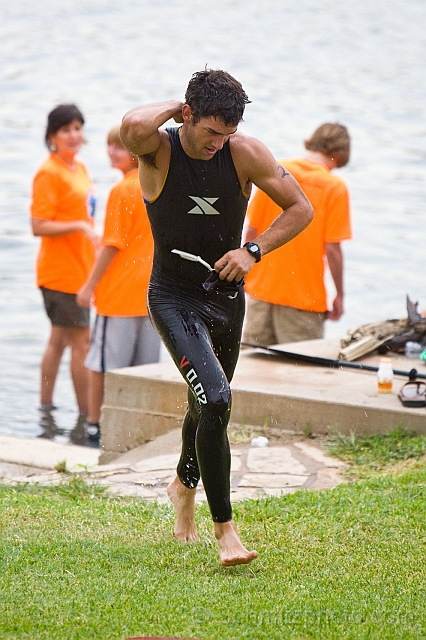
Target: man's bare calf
[[183, 500]]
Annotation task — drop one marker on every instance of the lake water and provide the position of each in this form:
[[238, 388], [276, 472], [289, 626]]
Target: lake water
[[302, 64]]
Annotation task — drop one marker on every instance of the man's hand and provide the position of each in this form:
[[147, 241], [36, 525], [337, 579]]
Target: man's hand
[[89, 231], [140, 127], [84, 296], [234, 265], [337, 311], [178, 117]]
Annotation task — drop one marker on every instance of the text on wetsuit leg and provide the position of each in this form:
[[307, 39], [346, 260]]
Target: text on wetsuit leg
[[191, 376]]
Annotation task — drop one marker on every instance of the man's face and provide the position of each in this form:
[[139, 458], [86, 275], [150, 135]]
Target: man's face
[[205, 138]]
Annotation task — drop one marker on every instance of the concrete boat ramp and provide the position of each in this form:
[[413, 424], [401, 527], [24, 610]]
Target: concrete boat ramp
[[142, 403]]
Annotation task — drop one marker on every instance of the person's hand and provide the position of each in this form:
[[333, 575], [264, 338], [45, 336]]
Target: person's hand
[[89, 231], [178, 118], [234, 265], [84, 296], [337, 310]]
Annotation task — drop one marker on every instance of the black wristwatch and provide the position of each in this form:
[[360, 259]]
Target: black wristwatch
[[253, 250]]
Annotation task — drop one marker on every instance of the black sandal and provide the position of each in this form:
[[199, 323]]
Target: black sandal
[[413, 394]]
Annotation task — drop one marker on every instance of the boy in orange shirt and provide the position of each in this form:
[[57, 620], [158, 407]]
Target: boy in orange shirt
[[287, 296], [123, 335]]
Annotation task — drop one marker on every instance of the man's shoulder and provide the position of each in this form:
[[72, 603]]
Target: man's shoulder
[[247, 151], [241, 142]]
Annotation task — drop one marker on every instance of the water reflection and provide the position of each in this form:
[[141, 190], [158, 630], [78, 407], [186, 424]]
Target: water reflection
[[50, 430]]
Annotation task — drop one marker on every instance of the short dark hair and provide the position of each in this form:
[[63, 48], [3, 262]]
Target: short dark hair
[[216, 93], [331, 139], [61, 116]]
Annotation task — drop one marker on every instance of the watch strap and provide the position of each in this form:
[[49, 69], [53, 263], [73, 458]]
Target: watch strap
[[254, 249]]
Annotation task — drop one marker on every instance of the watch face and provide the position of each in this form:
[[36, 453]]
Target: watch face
[[254, 250]]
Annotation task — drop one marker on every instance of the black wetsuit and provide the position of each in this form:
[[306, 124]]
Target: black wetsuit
[[200, 210]]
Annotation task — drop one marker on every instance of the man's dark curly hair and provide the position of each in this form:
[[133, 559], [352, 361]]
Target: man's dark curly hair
[[216, 93]]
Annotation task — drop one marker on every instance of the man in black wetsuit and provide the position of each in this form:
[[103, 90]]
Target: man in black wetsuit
[[196, 181]]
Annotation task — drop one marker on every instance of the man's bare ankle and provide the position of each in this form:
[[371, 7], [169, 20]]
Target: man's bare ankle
[[183, 500], [232, 552]]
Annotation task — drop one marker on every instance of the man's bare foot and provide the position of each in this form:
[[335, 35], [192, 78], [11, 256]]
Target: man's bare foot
[[231, 549], [183, 500]]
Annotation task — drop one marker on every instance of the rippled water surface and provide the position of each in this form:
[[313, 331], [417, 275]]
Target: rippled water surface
[[303, 63]]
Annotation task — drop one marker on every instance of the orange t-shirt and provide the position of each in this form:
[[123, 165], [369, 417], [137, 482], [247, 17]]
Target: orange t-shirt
[[63, 194], [122, 289], [293, 275]]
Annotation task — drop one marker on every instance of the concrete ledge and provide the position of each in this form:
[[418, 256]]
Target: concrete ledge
[[139, 427], [144, 402], [46, 454], [140, 404]]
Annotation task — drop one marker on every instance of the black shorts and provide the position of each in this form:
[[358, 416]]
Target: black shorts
[[63, 310]]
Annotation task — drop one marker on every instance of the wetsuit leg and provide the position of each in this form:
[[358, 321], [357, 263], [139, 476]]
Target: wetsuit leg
[[196, 334], [188, 469]]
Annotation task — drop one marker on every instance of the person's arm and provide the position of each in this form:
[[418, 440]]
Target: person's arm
[[56, 228], [334, 254], [251, 233], [105, 256], [140, 127], [256, 164]]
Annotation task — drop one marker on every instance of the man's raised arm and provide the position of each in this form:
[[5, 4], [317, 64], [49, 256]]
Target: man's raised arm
[[140, 127]]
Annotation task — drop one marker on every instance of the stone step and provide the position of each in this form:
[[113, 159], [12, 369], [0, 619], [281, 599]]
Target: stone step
[[124, 429]]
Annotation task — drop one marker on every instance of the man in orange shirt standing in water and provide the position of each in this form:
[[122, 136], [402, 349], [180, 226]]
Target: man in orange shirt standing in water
[[288, 300], [196, 181]]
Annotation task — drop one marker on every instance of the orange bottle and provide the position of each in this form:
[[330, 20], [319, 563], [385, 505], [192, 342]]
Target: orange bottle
[[385, 376]]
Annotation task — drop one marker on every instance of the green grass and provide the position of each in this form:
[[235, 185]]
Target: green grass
[[367, 454], [347, 563]]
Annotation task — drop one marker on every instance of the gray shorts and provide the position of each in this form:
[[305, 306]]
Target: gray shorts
[[122, 342], [63, 310]]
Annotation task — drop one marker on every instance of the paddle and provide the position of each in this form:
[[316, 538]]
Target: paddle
[[329, 362]]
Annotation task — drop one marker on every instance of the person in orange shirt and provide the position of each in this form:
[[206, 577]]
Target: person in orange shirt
[[62, 214], [287, 296], [123, 335]]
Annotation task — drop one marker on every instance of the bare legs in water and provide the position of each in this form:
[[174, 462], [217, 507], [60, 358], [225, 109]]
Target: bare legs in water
[[231, 549]]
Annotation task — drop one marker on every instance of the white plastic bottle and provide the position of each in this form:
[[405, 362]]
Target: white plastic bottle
[[385, 376]]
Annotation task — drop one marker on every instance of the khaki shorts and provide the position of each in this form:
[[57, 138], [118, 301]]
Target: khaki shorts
[[267, 324], [122, 342], [62, 309]]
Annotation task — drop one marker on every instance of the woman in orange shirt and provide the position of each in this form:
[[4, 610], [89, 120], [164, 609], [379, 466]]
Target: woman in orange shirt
[[62, 214]]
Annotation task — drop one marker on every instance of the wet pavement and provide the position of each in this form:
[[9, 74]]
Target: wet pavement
[[271, 470]]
